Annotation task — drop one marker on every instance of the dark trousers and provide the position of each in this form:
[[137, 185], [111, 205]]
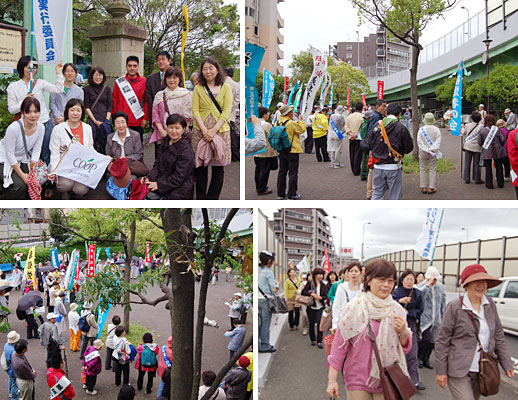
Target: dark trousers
[[234, 142], [90, 382], [233, 323], [201, 177], [364, 170], [288, 165], [516, 191], [32, 327], [232, 352], [499, 172], [85, 341], [321, 148], [263, 166], [121, 369], [308, 143], [411, 357], [471, 163], [140, 380], [355, 156], [314, 317], [109, 353], [51, 308], [140, 130], [294, 317], [426, 346], [18, 189], [507, 167]]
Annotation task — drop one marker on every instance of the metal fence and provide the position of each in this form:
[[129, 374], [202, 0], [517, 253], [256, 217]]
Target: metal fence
[[499, 257]]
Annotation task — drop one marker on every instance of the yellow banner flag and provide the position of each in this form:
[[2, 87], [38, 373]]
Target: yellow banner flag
[[185, 31], [30, 274]]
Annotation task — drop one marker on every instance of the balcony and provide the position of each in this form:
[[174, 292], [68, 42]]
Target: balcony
[[280, 38], [280, 21], [380, 53], [380, 29], [380, 40]]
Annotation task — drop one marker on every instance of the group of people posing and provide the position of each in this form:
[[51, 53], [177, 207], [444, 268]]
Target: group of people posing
[[191, 130]]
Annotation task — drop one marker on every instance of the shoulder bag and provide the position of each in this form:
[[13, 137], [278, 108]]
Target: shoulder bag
[[396, 385], [233, 127], [98, 97], [489, 375], [276, 303]]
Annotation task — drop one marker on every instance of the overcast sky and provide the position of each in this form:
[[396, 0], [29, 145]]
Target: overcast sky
[[394, 229], [327, 22]]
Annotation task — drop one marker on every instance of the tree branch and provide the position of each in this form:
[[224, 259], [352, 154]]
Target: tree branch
[[145, 300], [147, 218]]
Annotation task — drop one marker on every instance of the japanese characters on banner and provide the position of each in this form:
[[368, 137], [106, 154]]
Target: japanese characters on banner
[[268, 88], [107, 251], [73, 270], [319, 70], [286, 83], [348, 98], [54, 260], [428, 237], [293, 91], [364, 102], [90, 266], [298, 96], [348, 251], [456, 102], [101, 319], [253, 56], [50, 23], [30, 268], [148, 248], [82, 164], [324, 89], [381, 85], [331, 96]]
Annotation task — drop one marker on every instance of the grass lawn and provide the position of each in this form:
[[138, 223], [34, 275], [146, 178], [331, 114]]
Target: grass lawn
[[411, 165], [135, 335]]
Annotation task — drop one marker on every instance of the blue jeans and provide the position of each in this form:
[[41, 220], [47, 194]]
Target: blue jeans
[[45, 150], [13, 388], [160, 389], [265, 317]]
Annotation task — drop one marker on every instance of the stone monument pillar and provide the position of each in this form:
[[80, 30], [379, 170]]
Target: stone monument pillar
[[117, 39]]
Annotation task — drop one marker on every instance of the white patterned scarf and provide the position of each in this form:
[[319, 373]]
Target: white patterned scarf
[[353, 325]]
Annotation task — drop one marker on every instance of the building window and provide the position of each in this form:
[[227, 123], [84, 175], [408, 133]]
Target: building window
[[348, 47], [250, 12], [298, 239], [299, 215], [349, 55], [256, 30]]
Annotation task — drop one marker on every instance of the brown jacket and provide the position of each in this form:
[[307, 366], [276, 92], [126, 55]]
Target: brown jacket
[[456, 342], [133, 148]]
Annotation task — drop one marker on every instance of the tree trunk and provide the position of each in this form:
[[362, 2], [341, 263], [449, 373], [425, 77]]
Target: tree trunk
[[416, 115], [128, 251], [178, 230]]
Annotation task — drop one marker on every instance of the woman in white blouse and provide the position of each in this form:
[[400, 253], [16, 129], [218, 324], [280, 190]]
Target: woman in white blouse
[[19, 90], [20, 147], [71, 129]]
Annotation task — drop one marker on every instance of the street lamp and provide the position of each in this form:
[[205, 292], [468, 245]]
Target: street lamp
[[340, 250], [464, 8], [467, 233], [363, 237], [485, 58], [358, 38]]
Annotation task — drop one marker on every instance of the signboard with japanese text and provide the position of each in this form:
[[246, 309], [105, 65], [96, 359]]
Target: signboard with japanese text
[[10, 50]]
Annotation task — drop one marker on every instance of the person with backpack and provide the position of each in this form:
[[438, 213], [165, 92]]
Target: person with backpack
[[88, 326], [121, 356], [60, 386], [12, 338], [92, 365], [265, 161], [116, 321], [147, 361], [284, 137], [49, 337]]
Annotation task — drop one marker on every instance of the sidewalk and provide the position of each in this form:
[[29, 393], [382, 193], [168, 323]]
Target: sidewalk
[[318, 181]]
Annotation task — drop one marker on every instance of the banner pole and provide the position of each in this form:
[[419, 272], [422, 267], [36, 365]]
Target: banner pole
[[32, 39], [437, 237]]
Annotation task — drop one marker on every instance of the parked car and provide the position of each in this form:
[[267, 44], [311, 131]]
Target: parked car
[[505, 297]]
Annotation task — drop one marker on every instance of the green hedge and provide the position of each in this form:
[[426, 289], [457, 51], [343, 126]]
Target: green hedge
[[42, 254]]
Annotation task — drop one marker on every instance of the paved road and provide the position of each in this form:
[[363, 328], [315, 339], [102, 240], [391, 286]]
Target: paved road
[[215, 353], [318, 181], [299, 371], [230, 189]]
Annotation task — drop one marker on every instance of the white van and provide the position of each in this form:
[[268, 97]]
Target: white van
[[505, 297]]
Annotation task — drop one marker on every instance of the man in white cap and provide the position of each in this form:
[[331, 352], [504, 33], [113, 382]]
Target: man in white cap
[[510, 118], [12, 338], [482, 113], [277, 114], [235, 309], [49, 336]]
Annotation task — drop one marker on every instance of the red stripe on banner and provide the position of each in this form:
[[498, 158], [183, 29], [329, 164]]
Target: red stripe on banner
[[286, 82], [148, 248], [90, 266], [348, 98], [364, 102], [381, 85]]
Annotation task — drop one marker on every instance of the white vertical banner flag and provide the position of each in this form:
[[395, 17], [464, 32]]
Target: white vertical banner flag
[[319, 69], [303, 265], [324, 89], [428, 237], [50, 23]]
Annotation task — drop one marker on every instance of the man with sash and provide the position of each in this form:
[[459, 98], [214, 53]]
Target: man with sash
[[389, 141], [335, 136], [429, 141], [352, 126], [60, 386], [129, 96], [472, 150], [379, 113]]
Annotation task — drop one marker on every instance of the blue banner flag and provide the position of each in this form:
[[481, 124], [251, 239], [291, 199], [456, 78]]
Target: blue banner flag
[[54, 260], [456, 102], [268, 87], [293, 91], [331, 96], [107, 250], [253, 56], [74, 262], [101, 319]]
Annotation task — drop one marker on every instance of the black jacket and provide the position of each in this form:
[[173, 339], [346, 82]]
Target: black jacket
[[399, 139], [174, 170], [310, 288]]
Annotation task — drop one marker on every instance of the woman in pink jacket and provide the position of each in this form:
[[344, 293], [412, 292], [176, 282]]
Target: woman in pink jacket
[[146, 361], [351, 343]]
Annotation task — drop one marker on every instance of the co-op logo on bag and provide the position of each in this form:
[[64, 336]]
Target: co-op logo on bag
[[87, 165]]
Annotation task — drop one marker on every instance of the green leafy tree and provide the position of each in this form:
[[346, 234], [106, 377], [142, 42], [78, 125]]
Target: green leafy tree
[[344, 76], [405, 20], [56, 229], [503, 87], [301, 67], [444, 91], [11, 11], [277, 91], [476, 93]]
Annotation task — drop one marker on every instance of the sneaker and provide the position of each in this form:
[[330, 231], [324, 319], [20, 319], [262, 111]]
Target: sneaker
[[281, 197], [91, 393], [335, 166], [296, 197], [84, 386], [420, 386]]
